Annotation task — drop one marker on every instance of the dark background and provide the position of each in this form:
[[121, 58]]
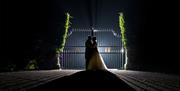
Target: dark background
[[152, 30]]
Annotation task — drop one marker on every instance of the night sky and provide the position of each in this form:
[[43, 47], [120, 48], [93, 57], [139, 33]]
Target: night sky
[[34, 29]]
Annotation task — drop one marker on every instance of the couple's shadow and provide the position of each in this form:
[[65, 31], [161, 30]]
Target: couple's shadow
[[89, 79]]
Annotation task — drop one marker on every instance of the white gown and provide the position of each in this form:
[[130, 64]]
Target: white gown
[[96, 62]]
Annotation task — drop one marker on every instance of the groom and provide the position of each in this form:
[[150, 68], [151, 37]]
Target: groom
[[88, 50], [91, 48]]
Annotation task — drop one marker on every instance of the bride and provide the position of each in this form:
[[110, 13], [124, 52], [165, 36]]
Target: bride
[[96, 61]]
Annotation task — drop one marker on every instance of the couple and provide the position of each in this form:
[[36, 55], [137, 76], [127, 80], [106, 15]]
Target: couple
[[94, 60]]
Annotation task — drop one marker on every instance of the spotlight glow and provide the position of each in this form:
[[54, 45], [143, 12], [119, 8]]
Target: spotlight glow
[[95, 30], [122, 50]]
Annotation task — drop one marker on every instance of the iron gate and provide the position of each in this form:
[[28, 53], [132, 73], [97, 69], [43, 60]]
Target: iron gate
[[109, 46]]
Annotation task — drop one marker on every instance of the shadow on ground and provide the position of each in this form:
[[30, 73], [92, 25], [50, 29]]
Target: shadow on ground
[[87, 80]]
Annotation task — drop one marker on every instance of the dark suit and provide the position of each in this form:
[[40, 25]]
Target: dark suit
[[88, 51]]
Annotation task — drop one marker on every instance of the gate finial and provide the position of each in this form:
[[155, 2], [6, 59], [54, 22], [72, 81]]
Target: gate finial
[[92, 31]]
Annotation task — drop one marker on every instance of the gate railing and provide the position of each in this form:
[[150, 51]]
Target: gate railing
[[73, 57]]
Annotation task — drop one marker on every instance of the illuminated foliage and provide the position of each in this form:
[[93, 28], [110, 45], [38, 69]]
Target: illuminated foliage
[[32, 65], [123, 36], [67, 25], [122, 28]]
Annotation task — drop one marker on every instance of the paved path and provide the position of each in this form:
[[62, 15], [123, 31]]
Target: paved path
[[149, 81], [141, 81], [28, 79]]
